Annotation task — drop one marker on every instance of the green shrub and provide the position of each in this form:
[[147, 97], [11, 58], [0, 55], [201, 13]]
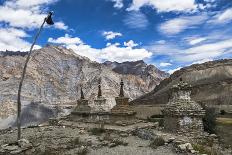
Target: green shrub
[[158, 141], [204, 150], [209, 120], [97, 131], [222, 112]]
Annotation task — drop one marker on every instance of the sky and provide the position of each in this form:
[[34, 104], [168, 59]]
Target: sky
[[169, 34]]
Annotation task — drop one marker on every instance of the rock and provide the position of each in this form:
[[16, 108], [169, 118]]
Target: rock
[[213, 135], [16, 151], [144, 134], [112, 145], [124, 135], [182, 147], [171, 139], [24, 144], [193, 151], [189, 146], [10, 147], [185, 147]]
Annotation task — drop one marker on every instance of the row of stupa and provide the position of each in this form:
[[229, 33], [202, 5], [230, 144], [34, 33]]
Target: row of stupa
[[121, 111], [181, 114]]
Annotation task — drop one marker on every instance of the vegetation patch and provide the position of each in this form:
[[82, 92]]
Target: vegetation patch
[[158, 141], [204, 150], [224, 121], [97, 131], [209, 120]]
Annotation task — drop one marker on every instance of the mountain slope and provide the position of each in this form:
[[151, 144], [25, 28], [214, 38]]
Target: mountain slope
[[53, 80], [211, 82]]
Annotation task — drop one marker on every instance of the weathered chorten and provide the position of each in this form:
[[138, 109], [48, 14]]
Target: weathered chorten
[[122, 106], [100, 101], [82, 105], [181, 114]]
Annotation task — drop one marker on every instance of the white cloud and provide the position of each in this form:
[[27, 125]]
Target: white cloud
[[206, 51], [173, 70], [118, 3], [121, 54], [61, 26], [12, 39], [161, 42], [111, 52], [177, 25], [111, 35], [226, 16], [67, 40], [130, 43], [165, 64], [136, 20], [165, 5], [202, 61], [28, 3], [194, 41], [25, 14]]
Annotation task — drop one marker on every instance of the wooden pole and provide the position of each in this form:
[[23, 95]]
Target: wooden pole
[[22, 79]]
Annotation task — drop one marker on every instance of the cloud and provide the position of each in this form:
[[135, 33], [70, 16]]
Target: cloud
[[195, 40], [206, 51], [130, 43], [202, 61], [61, 26], [12, 39], [111, 35], [136, 20], [165, 5], [67, 40], [171, 71], [177, 25], [118, 3], [187, 55], [25, 14], [112, 52], [164, 64], [28, 4], [222, 17]]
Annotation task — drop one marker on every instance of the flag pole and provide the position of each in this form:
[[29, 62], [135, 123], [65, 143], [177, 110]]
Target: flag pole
[[50, 22]]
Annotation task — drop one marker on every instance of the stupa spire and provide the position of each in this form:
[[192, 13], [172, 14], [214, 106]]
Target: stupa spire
[[121, 94], [99, 94]]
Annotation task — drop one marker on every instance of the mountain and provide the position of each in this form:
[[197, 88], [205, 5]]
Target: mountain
[[148, 73], [53, 80], [211, 84]]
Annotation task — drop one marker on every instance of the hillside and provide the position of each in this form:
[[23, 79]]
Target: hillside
[[211, 84], [53, 80]]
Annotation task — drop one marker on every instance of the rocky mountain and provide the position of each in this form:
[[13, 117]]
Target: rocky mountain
[[211, 84], [53, 80], [148, 73]]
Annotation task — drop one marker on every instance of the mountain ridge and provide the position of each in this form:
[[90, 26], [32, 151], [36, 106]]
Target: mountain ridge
[[211, 85]]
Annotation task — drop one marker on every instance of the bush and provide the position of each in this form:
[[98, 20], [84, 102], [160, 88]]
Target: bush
[[97, 131], [209, 120], [158, 141], [222, 112], [204, 150]]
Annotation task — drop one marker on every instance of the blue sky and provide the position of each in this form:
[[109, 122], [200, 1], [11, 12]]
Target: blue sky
[[167, 33]]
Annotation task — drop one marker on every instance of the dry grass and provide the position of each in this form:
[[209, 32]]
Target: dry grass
[[224, 121]]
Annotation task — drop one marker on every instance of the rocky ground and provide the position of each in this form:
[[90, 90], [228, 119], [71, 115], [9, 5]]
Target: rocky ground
[[73, 138]]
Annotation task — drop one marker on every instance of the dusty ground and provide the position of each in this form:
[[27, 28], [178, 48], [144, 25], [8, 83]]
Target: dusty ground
[[61, 140], [88, 139]]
